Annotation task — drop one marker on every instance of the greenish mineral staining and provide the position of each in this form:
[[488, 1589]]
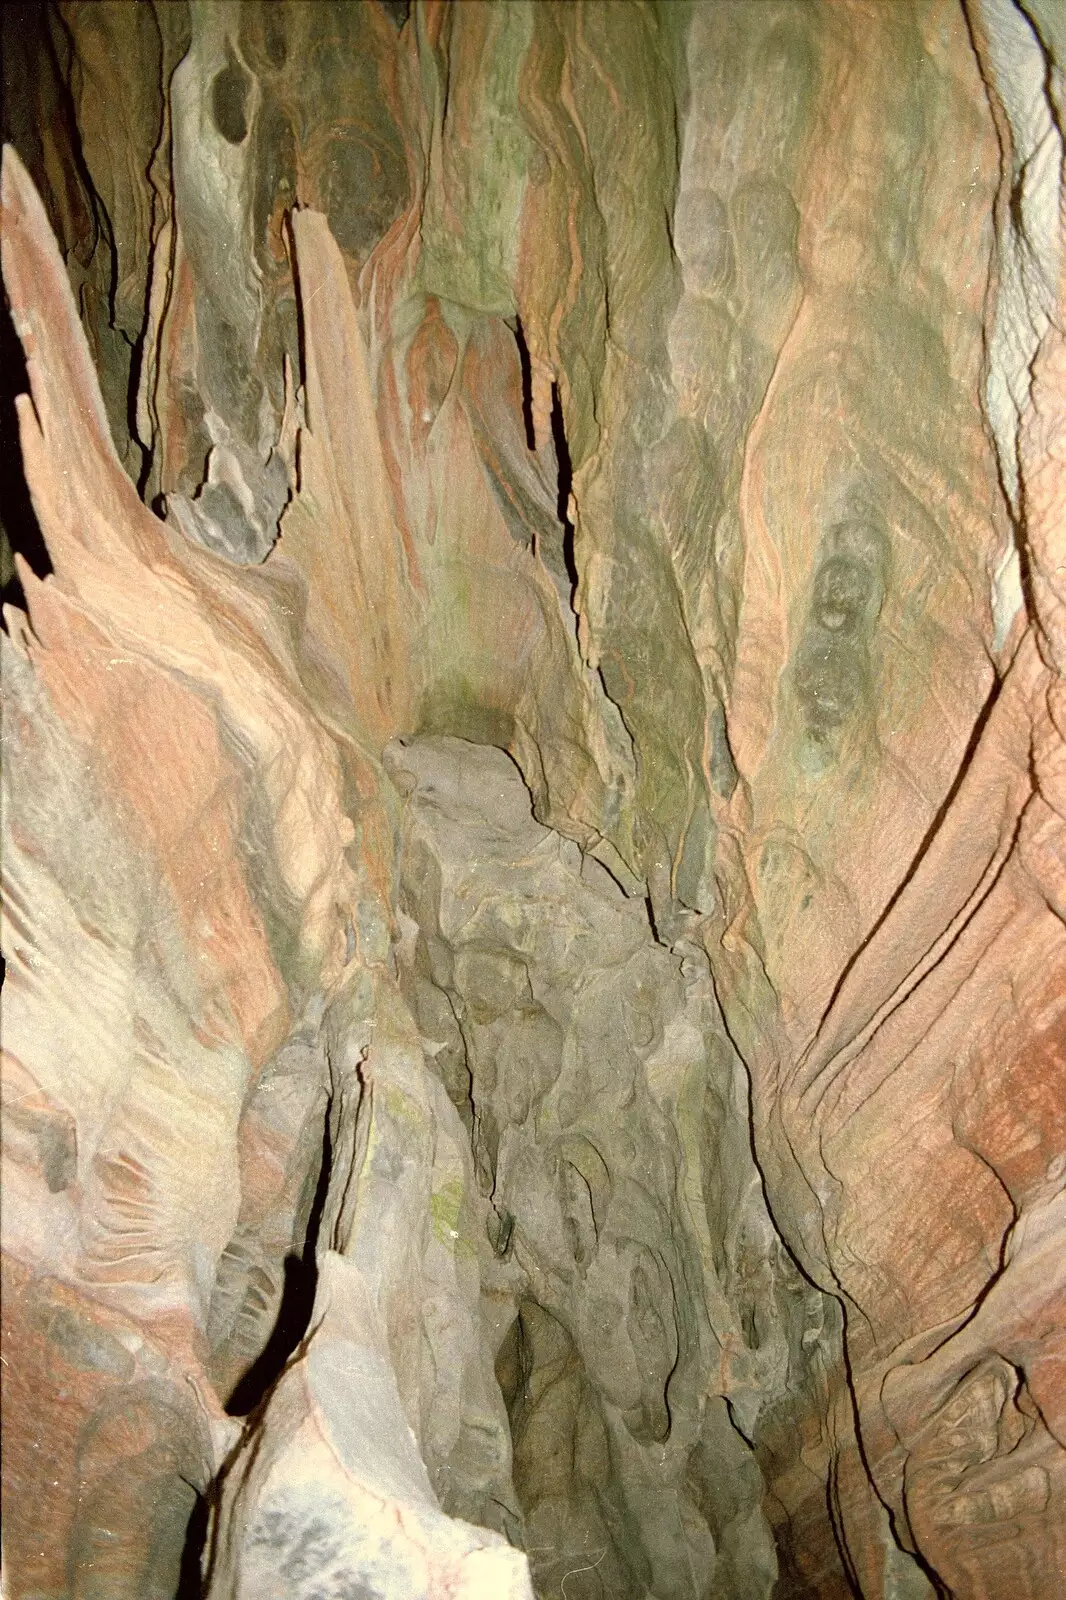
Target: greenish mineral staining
[[446, 1210], [477, 171]]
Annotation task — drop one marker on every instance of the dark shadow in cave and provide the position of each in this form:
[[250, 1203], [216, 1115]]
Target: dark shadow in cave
[[253, 1390], [18, 520], [566, 483], [190, 1577], [527, 384], [297, 1301], [34, 95]]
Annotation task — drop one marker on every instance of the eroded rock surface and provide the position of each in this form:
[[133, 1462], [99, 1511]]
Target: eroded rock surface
[[638, 1280], [534, 1055]]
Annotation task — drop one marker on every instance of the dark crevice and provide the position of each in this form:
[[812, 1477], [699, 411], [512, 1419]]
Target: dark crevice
[[590, 851], [468, 1109], [297, 1300], [832, 1505], [566, 483], [18, 521], [140, 345], [929, 1571], [31, 86], [397, 11], [300, 297], [527, 384], [64, 55], [229, 100], [41, 33], [36, 53], [190, 1575]]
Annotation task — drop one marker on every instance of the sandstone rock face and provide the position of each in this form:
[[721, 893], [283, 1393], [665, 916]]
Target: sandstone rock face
[[534, 828]]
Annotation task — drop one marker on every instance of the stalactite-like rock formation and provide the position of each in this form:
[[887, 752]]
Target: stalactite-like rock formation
[[534, 754]]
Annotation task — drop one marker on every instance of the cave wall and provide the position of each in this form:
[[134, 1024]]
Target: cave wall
[[534, 794]]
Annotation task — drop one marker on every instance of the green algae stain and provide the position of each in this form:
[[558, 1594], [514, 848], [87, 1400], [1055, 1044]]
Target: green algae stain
[[445, 1206], [478, 164]]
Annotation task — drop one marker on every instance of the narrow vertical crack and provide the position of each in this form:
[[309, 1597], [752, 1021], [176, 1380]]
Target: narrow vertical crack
[[565, 485], [20, 531], [297, 1299], [527, 384]]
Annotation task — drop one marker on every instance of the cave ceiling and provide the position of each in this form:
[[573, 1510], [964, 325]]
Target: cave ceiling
[[534, 800]]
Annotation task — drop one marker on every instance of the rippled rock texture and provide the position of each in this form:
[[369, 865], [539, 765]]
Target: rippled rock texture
[[534, 1037]]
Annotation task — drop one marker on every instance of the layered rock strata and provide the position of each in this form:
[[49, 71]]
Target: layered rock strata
[[535, 800]]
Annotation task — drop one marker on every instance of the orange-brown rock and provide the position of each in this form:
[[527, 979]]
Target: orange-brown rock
[[534, 756]]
